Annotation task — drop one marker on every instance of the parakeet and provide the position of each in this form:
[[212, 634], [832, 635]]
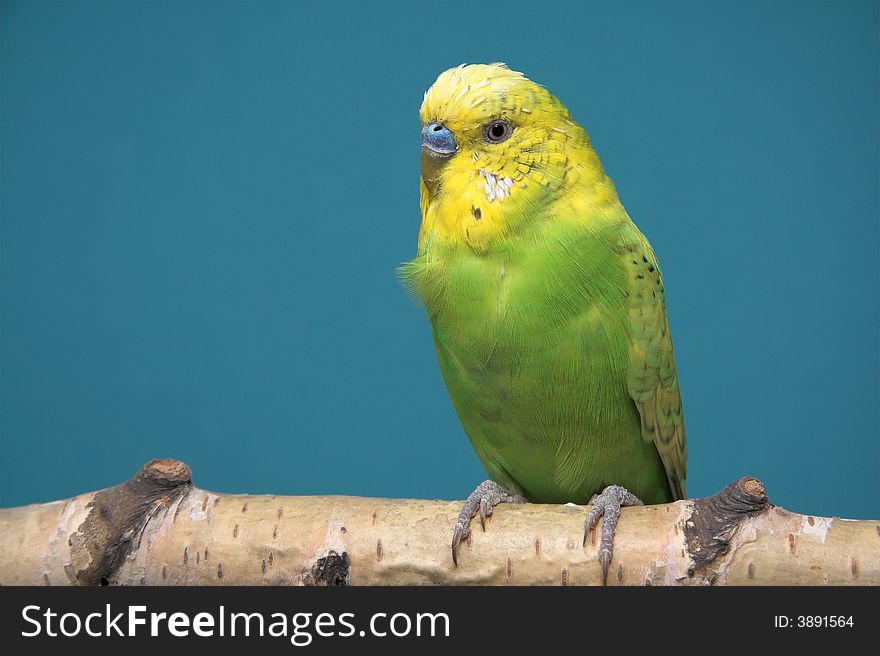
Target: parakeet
[[546, 304]]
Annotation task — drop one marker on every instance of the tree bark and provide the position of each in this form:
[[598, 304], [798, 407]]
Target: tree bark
[[159, 529]]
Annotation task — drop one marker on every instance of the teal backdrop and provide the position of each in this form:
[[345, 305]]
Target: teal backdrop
[[203, 205]]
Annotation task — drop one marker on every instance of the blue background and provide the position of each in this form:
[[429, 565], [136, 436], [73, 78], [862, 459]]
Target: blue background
[[203, 205]]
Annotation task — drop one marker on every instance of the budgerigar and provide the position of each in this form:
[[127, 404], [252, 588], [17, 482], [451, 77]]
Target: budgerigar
[[546, 304]]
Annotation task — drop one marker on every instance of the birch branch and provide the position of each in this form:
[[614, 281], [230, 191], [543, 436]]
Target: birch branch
[[159, 529]]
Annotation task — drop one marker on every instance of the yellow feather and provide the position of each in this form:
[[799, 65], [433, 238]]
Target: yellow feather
[[489, 190]]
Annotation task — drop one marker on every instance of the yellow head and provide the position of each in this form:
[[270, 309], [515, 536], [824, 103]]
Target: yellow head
[[499, 151]]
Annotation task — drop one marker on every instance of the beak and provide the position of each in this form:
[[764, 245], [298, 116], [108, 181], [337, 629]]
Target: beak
[[438, 146]]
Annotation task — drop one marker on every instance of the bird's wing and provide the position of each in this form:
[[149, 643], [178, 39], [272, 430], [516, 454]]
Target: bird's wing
[[652, 380]]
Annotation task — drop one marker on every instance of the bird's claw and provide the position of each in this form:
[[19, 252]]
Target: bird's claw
[[460, 533], [608, 505], [480, 502], [485, 511]]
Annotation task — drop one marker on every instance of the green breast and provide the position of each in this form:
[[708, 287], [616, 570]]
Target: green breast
[[532, 341]]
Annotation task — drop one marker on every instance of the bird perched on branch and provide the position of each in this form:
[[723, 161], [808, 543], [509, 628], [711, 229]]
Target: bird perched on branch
[[546, 304]]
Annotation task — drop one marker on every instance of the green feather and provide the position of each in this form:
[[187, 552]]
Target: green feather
[[557, 354]]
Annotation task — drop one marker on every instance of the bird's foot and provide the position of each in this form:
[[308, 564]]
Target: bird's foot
[[482, 500], [608, 505]]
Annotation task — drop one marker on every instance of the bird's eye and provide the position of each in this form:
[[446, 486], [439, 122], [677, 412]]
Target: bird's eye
[[498, 131]]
